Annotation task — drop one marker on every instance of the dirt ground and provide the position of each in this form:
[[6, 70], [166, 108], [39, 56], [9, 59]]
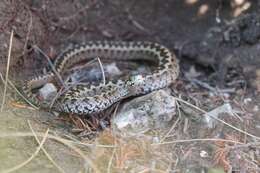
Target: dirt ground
[[217, 44]]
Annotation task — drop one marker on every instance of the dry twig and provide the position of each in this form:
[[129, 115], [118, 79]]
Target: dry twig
[[7, 69], [220, 120]]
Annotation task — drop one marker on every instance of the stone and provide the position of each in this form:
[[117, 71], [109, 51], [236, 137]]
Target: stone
[[47, 92], [152, 111]]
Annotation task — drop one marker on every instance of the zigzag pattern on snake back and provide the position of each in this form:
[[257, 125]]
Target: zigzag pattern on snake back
[[86, 99]]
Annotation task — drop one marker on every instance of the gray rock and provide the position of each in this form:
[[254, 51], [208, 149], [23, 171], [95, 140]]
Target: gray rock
[[48, 92], [151, 111]]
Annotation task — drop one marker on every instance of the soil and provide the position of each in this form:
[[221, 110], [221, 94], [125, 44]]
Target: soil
[[217, 44]]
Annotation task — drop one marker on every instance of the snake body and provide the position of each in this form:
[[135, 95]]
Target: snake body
[[86, 99]]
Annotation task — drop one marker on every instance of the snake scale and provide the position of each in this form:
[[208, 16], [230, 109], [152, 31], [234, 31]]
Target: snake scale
[[86, 99]]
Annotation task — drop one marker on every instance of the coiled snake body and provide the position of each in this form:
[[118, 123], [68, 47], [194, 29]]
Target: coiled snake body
[[86, 99]]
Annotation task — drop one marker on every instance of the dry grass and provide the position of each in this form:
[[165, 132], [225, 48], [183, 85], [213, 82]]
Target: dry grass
[[19, 166], [7, 69], [68, 143], [44, 150]]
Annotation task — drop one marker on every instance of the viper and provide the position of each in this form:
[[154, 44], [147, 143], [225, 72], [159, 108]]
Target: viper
[[87, 99]]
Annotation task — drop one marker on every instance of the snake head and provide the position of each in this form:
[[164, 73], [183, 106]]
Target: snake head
[[135, 83]]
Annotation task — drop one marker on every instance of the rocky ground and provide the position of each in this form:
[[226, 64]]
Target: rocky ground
[[209, 119]]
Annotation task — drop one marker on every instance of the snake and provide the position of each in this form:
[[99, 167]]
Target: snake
[[86, 99]]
